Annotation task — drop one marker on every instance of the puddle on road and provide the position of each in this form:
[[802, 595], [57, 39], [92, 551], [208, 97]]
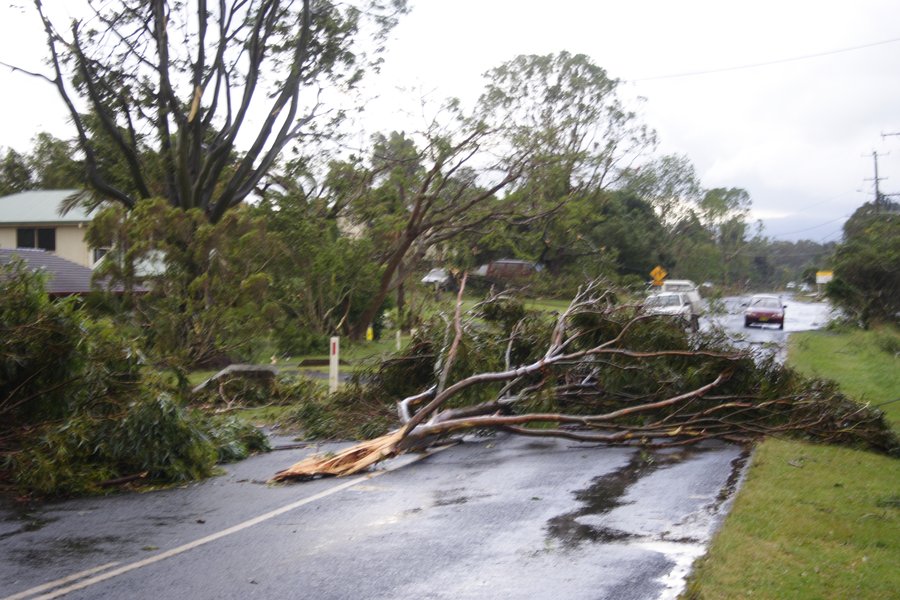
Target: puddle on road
[[453, 496], [734, 478], [67, 547], [25, 517], [606, 493]]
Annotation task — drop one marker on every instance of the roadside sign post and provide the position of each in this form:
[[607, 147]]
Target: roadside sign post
[[658, 274], [333, 357], [823, 277]]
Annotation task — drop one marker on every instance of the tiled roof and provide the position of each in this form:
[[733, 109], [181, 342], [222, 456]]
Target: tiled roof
[[65, 278], [40, 206]]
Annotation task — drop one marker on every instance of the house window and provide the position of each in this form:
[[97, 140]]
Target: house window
[[99, 253], [36, 237]]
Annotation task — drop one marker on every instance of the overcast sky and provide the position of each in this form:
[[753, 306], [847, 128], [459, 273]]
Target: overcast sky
[[796, 134]]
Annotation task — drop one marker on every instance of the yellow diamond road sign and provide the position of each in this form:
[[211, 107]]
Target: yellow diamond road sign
[[658, 274]]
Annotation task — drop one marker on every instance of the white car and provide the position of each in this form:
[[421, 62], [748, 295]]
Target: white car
[[439, 278], [676, 304]]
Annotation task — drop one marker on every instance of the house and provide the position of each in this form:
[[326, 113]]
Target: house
[[64, 277], [32, 220]]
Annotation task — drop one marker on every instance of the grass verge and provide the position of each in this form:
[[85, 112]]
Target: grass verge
[[816, 521], [866, 364]]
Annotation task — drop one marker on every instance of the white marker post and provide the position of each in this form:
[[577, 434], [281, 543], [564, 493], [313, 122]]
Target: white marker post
[[399, 342], [333, 364]]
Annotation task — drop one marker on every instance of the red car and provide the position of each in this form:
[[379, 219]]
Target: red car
[[763, 309]]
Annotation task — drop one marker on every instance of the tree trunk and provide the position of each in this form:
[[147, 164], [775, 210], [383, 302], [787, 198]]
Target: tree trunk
[[358, 329], [401, 303]]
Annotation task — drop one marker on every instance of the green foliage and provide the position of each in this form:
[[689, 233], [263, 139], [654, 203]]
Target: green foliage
[[54, 359], [76, 409], [191, 158], [505, 311], [888, 341], [236, 390], [866, 280], [151, 435], [661, 362], [321, 280], [351, 413], [54, 164], [50, 165], [15, 175], [235, 439], [207, 299], [246, 390]]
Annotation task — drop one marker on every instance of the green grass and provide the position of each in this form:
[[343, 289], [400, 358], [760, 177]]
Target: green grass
[[263, 415], [809, 522], [816, 521], [356, 355], [865, 363]]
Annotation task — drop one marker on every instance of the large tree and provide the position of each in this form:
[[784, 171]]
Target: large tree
[[15, 174], [52, 164], [563, 112], [410, 196], [204, 95], [866, 280]]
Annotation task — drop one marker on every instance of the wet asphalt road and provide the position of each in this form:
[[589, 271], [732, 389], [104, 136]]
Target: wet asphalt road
[[501, 517], [799, 316], [490, 518]]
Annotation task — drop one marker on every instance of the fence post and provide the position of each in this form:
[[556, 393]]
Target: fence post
[[333, 358]]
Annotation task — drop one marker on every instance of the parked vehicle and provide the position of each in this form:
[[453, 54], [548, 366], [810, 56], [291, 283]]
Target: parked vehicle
[[440, 278], [506, 269], [690, 290], [764, 309], [676, 304], [678, 285]]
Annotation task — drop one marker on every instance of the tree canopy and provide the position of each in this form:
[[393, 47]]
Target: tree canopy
[[179, 89], [866, 280]]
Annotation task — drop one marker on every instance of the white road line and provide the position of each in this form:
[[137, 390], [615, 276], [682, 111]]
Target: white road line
[[205, 540], [199, 542], [59, 582]]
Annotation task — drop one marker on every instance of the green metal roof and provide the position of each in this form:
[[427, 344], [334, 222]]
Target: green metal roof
[[39, 206]]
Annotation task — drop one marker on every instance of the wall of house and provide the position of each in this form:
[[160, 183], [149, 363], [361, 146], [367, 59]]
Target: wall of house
[[7, 237], [70, 242]]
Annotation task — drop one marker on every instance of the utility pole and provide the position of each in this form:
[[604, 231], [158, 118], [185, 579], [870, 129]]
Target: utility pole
[[883, 136], [876, 180]]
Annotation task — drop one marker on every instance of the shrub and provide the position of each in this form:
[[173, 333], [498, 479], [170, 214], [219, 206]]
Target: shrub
[[235, 439], [153, 437], [75, 410]]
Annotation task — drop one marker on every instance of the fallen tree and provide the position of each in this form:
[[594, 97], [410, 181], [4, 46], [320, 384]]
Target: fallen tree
[[606, 372]]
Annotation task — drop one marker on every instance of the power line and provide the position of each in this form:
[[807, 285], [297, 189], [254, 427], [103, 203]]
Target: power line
[[839, 231], [813, 227], [767, 63]]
